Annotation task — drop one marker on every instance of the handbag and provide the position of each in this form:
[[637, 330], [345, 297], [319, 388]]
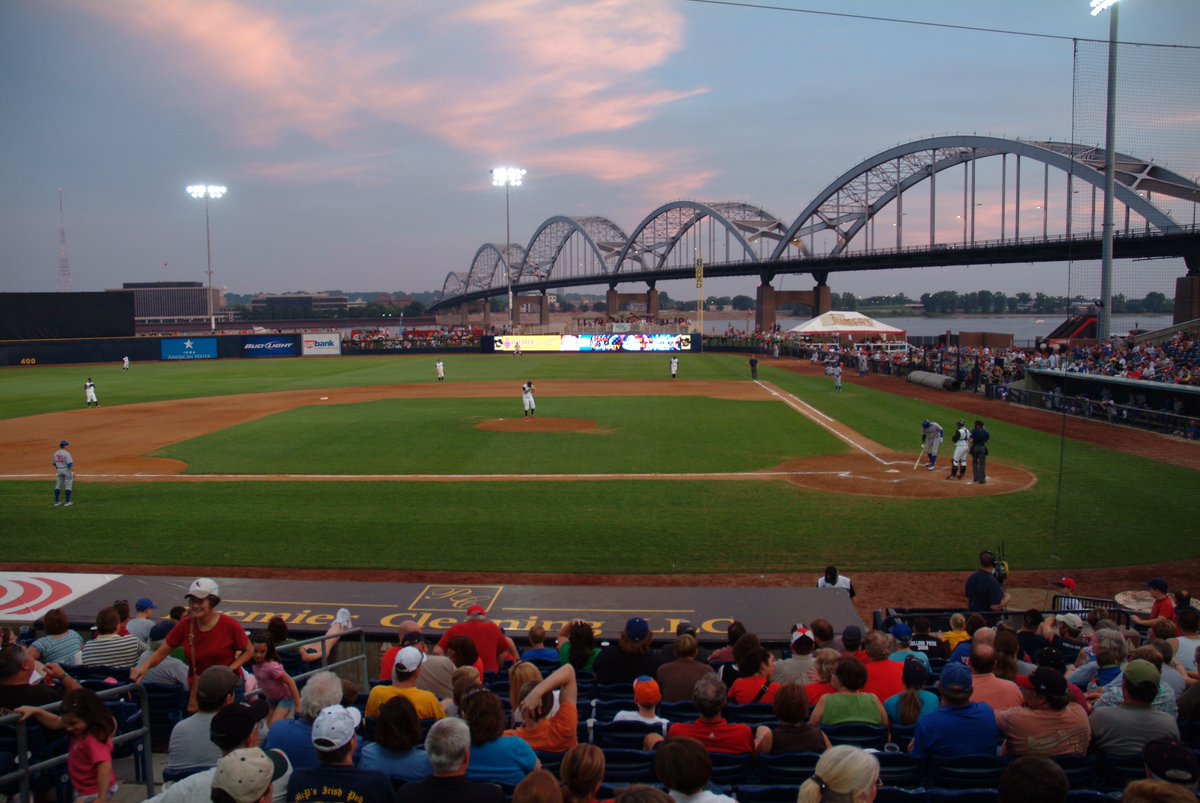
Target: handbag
[[193, 704]]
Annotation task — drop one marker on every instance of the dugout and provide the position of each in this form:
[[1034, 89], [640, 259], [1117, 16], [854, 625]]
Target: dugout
[[1126, 392]]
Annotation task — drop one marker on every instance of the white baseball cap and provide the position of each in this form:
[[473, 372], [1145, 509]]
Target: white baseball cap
[[409, 659], [245, 774], [334, 727], [203, 587]]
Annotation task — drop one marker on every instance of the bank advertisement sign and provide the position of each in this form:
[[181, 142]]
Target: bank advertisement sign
[[322, 344], [269, 346], [189, 348]]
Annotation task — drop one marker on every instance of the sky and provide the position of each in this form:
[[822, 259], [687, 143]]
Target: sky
[[356, 137]]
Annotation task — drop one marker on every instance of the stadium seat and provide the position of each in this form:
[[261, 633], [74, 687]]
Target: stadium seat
[[1119, 770], [750, 713], [961, 795], [40, 748], [731, 770], [895, 794], [614, 691], [625, 734], [550, 761], [291, 661], [605, 710], [899, 769], [766, 793], [168, 707], [1090, 796], [628, 766], [684, 711], [902, 736], [868, 737], [966, 772], [129, 718], [170, 775], [1081, 770], [787, 768]]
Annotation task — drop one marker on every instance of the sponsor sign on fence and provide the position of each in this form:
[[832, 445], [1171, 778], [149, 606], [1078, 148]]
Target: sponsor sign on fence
[[269, 346], [594, 343], [324, 344], [189, 348]]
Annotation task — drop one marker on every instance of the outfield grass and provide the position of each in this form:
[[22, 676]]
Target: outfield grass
[[1099, 513]]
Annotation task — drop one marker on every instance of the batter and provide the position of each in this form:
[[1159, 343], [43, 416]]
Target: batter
[[931, 439]]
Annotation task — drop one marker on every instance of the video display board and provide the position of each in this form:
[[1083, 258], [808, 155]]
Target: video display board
[[594, 343]]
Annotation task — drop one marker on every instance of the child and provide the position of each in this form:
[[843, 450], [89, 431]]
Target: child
[[538, 651], [89, 758], [958, 633], [276, 684], [647, 695], [924, 642]]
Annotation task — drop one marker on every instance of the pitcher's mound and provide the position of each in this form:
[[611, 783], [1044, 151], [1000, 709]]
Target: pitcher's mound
[[539, 424]]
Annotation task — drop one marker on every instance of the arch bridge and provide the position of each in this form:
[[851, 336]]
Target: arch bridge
[[836, 230]]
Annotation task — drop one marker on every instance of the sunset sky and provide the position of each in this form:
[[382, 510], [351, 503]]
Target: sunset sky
[[355, 137]]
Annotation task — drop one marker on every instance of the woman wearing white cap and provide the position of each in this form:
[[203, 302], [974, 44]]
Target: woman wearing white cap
[[208, 637]]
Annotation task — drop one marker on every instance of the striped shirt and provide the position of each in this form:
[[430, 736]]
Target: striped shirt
[[112, 650], [58, 649]]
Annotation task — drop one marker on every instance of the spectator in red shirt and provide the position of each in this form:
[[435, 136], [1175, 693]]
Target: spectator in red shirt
[[885, 677], [1163, 608], [489, 639], [755, 685], [208, 637], [852, 639], [711, 729]]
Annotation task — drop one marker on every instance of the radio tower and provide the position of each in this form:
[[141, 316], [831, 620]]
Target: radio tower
[[64, 265]]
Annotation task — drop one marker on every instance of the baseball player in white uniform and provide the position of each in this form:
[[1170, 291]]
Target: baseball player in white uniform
[[89, 392], [125, 363], [441, 371], [64, 472], [958, 463], [674, 366], [527, 399], [837, 377], [931, 439]]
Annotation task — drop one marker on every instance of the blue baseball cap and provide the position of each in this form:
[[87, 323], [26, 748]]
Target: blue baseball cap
[[63, 443], [901, 632], [145, 604], [956, 677], [636, 629]]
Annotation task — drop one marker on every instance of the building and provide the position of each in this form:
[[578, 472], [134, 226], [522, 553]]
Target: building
[[172, 302], [302, 305]]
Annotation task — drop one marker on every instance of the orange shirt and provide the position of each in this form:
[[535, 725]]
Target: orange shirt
[[556, 734]]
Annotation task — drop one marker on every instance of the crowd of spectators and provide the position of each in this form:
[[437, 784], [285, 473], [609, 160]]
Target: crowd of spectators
[[387, 338], [1050, 685]]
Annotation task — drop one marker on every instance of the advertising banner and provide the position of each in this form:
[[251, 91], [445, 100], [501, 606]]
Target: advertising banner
[[269, 346], [189, 348], [324, 344], [594, 343]]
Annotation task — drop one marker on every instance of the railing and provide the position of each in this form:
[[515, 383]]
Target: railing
[[360, 660], [1123, 414], [26, 769]]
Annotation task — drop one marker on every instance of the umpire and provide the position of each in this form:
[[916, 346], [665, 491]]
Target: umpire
[[979, 453]]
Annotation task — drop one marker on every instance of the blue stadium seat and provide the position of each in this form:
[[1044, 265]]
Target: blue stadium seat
[[550, 761], [966, 772], [868, 737], [1081, 770], [614, 691], [626, 735], [179, 773], [961, 795], [787, 768], [605, 710], [902, 736], [684, 711], [628, 766], [899, 769], [1119, 770], [750, 713], [168, 707], [766, 793], [1091, 796], [731, 770], [895, 794]]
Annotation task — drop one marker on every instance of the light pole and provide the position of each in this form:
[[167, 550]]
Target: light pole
[[207, 191], [1104, 319], [508, 177]]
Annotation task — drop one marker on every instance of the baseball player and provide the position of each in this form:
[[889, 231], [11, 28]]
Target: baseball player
[[441, 371], [958, 463], [89, 392], [931, 439], [837, 377], [125, 363], [64, 466], [674, 366], [527, 399]]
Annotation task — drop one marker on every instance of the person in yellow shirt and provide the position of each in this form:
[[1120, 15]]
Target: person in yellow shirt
[[404, 684], [957, 634]]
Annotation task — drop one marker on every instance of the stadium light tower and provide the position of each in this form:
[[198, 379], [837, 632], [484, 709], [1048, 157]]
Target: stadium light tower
[[1104, 319], [508, 177], [207, 191]]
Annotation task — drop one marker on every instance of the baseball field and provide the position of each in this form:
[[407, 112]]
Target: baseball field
[[368, 462]]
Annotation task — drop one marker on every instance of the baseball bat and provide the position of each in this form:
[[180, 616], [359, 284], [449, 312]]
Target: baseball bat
[[922, 454]]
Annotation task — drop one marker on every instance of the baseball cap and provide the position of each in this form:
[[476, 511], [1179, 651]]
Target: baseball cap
[[412, 637], [1171, 761], [234, 723], [956, 677], [202, 588], [915, 674], [901, 632], [1158, 584], [1049, 682], [646, 691], [215, 684], [1072, 621], [246, 774], [799, 631], [144, 604], [409, 659], [1065, 582], [334, 727], [1140, 671], [62, 444], [925, 424], [637, 629], [476, 610], [685, 626], [161, 629], [852, 633]]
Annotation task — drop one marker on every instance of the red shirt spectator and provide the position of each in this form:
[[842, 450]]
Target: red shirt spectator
[[717, 737], [488, 637]]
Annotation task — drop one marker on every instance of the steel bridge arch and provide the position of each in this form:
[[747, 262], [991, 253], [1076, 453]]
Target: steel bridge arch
[[951, 151], [486, 272], [454, 285], [603, 237], [732, 215]]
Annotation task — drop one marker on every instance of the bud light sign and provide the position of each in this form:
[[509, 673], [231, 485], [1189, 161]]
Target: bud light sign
[[321, 344], [269, 346]]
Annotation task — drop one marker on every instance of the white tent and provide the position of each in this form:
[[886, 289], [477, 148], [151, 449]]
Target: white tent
[[852, 326]]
